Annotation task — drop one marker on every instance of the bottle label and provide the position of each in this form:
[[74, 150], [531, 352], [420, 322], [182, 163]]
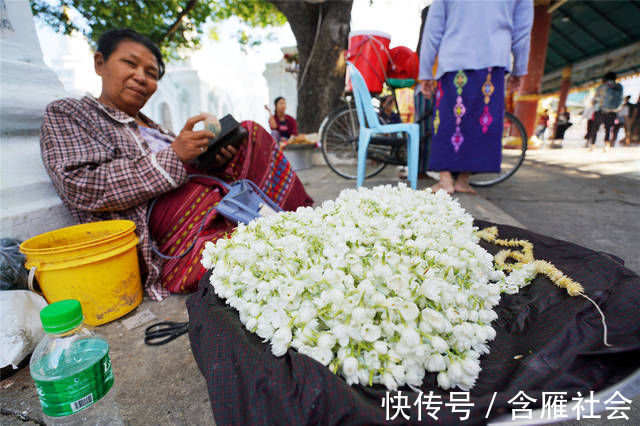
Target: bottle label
[[74, 393]]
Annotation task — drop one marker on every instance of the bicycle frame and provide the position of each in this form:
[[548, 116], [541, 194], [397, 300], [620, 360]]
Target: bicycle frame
[[386, 150]]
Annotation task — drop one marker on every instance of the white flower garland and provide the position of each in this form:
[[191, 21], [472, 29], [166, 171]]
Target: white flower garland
[[379, 285]]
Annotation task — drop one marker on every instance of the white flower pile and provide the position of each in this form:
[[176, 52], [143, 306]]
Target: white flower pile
[[381, 285]]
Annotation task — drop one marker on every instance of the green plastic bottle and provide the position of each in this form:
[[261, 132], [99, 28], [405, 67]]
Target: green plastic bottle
[[72, 370]]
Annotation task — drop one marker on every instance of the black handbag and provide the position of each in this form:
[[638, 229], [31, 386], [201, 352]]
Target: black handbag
[[231, 134]]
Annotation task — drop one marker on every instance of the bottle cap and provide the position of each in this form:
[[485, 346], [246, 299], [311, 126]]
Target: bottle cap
[[61, 316]]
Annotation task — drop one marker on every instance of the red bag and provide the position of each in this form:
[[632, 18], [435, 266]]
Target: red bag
[[404, 63]]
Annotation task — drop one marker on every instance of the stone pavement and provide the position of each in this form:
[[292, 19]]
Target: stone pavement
[[155, 385], [589, 198]]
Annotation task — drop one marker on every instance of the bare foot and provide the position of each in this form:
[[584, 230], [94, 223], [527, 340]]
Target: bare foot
[[460, 187], [403, 173], [438, 186]]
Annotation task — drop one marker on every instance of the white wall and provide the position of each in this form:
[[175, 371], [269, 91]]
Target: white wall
[[282, 83], [28, 203]]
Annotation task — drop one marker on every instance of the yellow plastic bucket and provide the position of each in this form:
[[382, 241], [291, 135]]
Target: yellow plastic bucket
[[95, 263]]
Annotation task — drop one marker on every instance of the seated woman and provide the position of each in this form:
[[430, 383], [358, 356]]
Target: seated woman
[[108, 161], [283, 126]]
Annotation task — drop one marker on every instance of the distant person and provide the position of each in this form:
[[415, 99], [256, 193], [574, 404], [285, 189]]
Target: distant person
[[388, 113], [473, 41], [634, 127], [624, 121], [588, 115], [563, 123], [608, 100], [543, 123], [283, 126]]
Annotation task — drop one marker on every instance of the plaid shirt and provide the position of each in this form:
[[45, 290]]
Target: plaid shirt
[[103, 169]]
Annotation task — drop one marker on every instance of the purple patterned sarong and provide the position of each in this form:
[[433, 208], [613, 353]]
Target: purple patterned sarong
[[468, 115]]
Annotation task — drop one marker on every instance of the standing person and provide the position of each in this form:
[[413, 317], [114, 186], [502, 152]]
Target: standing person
[[473, 41], [543, 123], [588, 115], [283, 126], [422, 106], [608, 100], [634, 125], [624, 121], [563, 124]]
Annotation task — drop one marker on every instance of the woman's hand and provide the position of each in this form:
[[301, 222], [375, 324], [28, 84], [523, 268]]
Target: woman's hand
[[513, 82], [223, 156], [272, 118], [426, 87], [189, 143]]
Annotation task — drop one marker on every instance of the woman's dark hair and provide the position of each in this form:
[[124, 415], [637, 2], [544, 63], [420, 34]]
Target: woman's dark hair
[[110, 39], [610, 76], [275, 103]]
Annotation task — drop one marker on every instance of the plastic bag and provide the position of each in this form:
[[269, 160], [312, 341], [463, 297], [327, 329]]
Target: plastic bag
[[13, 275], [21, 327]]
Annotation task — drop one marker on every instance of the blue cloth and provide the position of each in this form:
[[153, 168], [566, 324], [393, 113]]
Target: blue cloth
[[609, 96], [392, 118], [468, 116], [472, 35], [155, 138]]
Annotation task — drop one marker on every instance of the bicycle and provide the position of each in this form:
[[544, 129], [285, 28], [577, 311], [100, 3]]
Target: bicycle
[[339, 142]]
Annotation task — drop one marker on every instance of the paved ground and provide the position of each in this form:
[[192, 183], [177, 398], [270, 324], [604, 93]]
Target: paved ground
[[162, 385], [589, 198], [156, 385]]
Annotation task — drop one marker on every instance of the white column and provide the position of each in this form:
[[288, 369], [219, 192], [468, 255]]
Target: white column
[[28, 203]]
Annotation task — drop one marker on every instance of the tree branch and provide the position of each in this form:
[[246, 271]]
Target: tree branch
[[171, 31]]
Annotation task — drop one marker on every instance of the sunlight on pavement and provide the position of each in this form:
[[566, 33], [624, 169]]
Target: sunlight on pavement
[[617, 161]]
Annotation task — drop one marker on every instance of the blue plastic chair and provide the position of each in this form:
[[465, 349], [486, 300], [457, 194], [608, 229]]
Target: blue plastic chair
[[372, 126]]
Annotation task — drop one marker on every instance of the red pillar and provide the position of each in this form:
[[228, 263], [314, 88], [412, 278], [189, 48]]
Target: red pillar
[[527, 99], [564, 92]]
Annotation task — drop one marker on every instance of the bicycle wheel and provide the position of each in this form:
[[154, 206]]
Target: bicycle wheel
[[339, 139], [514, 149]]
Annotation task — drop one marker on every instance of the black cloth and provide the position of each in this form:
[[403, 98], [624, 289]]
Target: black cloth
[[589, 129], [562, 125], [560, 338], [561, 129], [600, 117]]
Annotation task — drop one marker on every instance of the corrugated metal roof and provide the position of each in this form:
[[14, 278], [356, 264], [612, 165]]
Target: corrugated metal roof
[[581, 30]]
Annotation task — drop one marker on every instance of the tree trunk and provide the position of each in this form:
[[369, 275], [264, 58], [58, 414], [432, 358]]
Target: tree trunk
[[167, 36], [320, 87]]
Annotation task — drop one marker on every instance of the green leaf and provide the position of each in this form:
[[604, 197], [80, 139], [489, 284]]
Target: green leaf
[[156, 19]]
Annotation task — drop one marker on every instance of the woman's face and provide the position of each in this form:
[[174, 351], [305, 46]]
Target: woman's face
[[281, 106], [129, 76]]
